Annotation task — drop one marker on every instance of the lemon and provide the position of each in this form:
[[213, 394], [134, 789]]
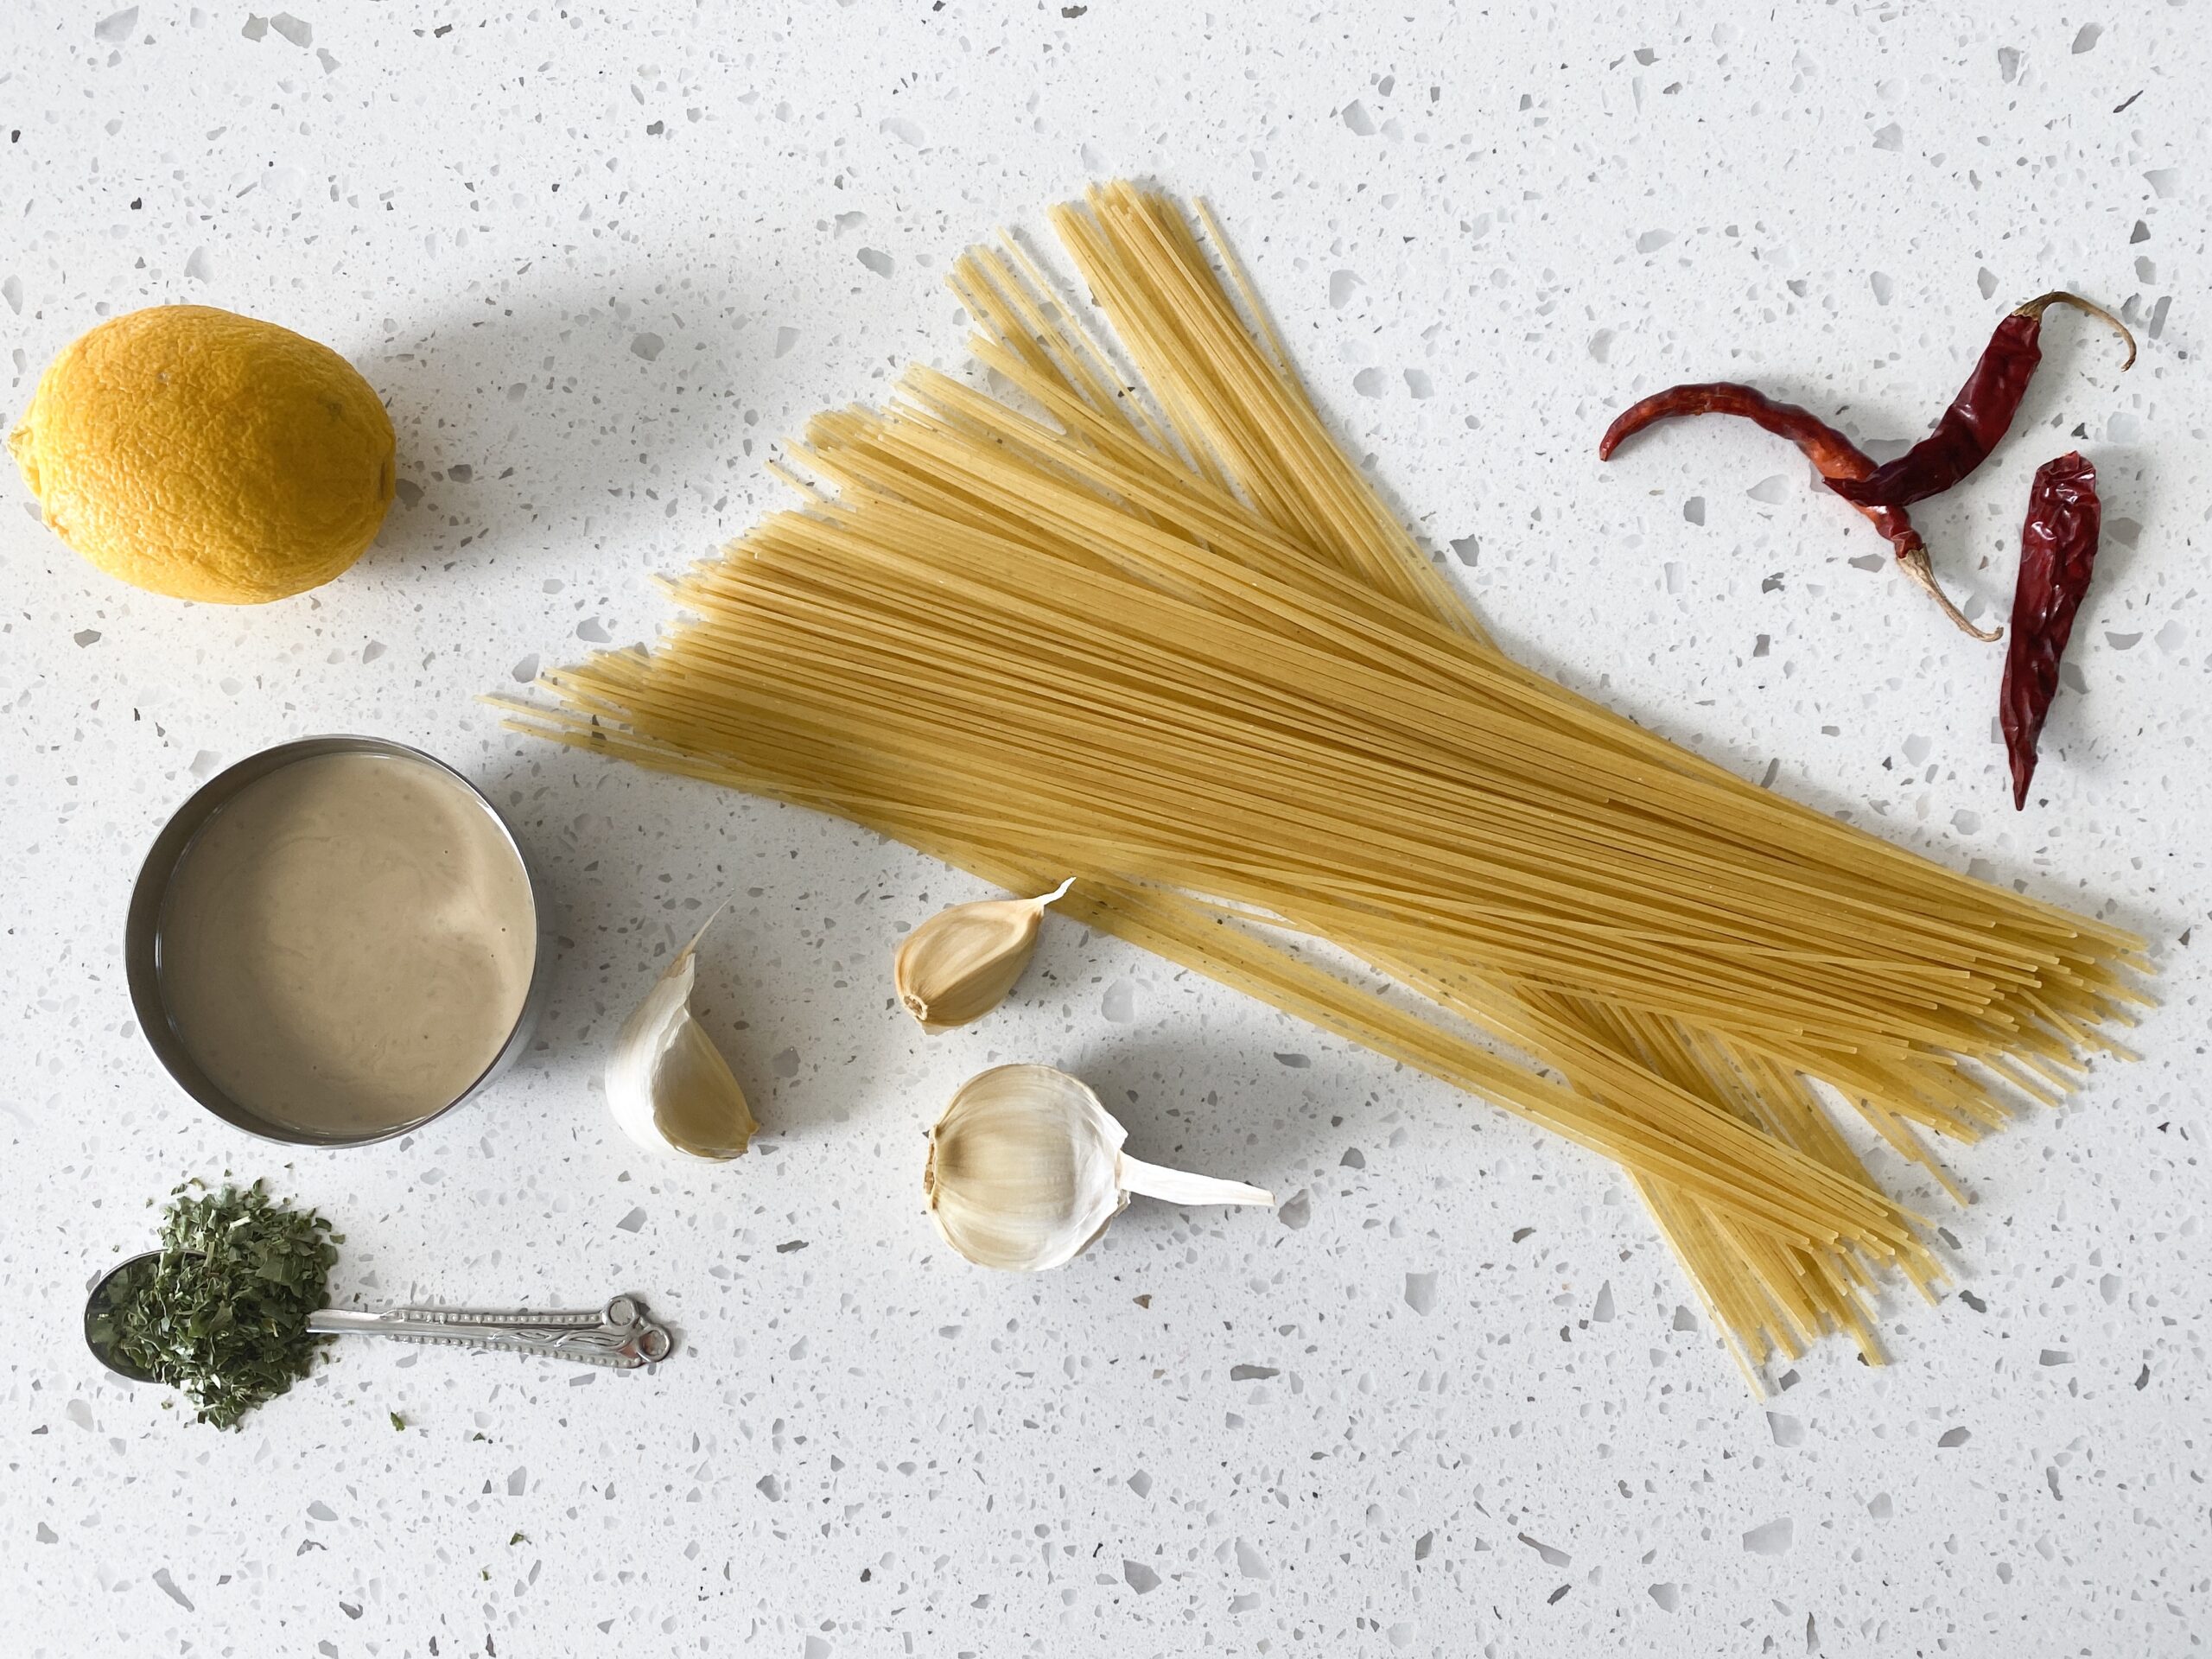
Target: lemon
[[206, 455]]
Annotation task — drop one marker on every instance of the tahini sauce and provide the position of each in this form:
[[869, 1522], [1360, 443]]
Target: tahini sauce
[[346, 945]]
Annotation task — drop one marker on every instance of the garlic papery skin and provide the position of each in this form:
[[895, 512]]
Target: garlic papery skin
[[668, 1086], [959, 965], [1025, 1168]]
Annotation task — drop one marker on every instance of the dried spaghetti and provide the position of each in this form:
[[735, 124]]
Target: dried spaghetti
[[1189, 655]]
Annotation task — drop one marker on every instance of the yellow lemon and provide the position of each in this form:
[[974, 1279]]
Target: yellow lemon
[[206, 455]]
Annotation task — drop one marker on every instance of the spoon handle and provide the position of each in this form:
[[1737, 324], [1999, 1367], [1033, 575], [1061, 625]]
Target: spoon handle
[[621, 1335]]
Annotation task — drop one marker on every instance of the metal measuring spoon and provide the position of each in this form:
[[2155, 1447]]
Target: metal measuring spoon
[[621, 1335]]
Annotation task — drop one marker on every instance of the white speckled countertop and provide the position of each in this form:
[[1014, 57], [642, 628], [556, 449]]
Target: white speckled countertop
[[596, 268]]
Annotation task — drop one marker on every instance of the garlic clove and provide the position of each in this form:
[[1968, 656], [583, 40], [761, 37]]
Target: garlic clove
[[668, 1086], [699, 1106], [959, 965], [1026, 1169], [1021, 1170]]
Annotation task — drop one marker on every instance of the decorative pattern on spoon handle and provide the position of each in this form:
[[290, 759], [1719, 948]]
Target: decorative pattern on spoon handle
[[621, 1335]]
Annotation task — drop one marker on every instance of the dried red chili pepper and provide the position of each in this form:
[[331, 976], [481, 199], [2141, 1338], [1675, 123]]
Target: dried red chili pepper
[[1980, 414], [2058, 553], [1834, 456]]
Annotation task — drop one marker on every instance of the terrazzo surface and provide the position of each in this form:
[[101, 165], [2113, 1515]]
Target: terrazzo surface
[[1452, 1397]]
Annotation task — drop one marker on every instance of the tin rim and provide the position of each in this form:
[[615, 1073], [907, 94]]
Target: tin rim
[[142, 938]]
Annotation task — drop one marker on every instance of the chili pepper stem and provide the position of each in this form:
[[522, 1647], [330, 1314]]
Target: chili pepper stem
[[2035, 308], [1916, 564]]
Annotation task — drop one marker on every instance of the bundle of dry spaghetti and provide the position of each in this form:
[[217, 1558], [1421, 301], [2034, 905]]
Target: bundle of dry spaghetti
[[1178, 647]]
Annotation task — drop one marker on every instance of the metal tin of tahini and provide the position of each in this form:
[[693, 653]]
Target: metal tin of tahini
[[142, 939]]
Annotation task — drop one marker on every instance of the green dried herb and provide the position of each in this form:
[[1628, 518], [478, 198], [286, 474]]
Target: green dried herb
[[222, 1314]]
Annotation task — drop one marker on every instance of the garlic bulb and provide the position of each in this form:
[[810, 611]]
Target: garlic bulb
[[958, 965], [1025, 1168], [669, 1087]]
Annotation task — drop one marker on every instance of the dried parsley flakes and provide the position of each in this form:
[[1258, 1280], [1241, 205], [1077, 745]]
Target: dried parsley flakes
[[222, 1314]]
